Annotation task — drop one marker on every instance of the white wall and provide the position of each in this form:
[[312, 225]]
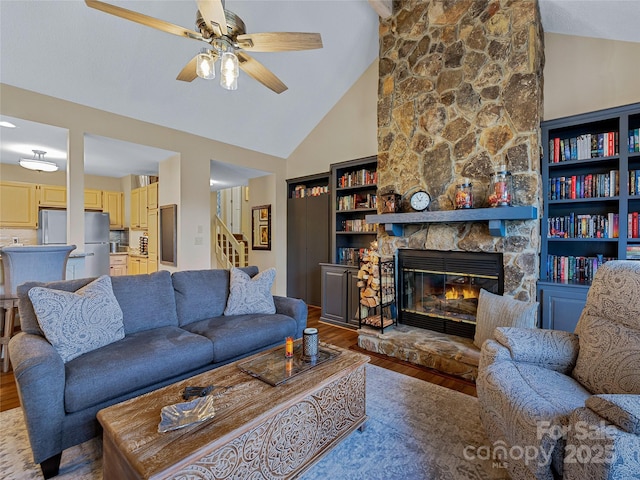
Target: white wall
[[586, 74]]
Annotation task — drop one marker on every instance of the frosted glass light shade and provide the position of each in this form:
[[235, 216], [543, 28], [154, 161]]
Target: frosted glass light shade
[[229, 71], [39, 165]]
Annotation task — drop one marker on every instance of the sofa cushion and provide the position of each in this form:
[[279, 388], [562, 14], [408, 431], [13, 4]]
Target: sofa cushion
[[250, 295], [237, 335], [147, 301], [499, 311], [609, 356], [137, 361], [202, 294], [28, 319], [621, 410], [78, 322]]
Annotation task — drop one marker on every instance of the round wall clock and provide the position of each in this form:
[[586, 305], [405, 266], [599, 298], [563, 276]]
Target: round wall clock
[[420, 200]]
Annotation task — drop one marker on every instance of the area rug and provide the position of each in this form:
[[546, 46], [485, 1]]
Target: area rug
[[416, 430]]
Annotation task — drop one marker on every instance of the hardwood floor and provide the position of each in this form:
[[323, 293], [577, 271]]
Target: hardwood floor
[[342, 337]]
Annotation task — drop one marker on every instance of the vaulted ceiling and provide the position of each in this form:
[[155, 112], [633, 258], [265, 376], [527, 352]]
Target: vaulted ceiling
[[67, 50]]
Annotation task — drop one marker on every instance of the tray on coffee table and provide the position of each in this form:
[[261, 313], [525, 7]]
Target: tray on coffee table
[[274, 368]]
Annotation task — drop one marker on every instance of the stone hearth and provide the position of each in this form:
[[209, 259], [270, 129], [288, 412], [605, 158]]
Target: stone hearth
[[446, 353]]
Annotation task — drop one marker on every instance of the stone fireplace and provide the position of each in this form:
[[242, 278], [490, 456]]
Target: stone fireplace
[[459, 96]]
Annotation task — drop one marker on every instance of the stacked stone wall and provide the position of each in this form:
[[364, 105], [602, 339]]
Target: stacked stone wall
[[460, 94]]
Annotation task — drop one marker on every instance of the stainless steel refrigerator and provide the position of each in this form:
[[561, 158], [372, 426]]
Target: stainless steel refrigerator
[[52, 230]]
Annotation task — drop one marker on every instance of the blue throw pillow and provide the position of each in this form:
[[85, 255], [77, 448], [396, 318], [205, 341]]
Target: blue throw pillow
[[79, 322], [250, 295]]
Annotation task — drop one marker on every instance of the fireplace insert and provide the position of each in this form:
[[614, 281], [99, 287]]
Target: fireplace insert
[[439, 290]]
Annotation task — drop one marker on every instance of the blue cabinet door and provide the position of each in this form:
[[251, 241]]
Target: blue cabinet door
[[561, 305]]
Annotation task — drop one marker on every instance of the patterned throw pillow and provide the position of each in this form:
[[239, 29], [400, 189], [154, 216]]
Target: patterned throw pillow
[[498, 311], [78, 322], [250, 295]]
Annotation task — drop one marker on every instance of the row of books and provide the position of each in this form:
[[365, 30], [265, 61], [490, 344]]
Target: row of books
[[359, 225], [353, 202], [634, 140], [582, 147], [592, 185], [302, 191], [634, 182], [584, 226], [350, 256], [633, 227], [359, 177], [562, 268], [633, 252]]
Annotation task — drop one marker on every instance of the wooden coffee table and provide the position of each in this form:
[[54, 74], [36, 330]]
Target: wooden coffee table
[[258, 429]]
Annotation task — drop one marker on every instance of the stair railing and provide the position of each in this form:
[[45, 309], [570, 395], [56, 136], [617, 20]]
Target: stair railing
[[230, 252]]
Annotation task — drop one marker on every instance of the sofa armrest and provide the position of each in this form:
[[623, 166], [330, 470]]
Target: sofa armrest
[[40, 378], [294, 308], [621, 410], [552, 349]]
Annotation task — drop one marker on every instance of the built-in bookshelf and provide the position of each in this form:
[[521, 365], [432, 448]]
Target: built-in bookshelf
[[590, 193], [354, 195]]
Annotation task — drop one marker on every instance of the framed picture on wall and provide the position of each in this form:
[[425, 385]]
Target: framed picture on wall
[[261, 227]]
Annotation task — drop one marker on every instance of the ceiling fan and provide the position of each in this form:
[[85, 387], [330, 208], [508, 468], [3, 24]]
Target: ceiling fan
[[225, 32]]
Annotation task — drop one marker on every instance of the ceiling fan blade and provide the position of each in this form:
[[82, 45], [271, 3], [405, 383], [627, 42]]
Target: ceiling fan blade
[[188, 73], [213, 13], [259, 72], [144, 19], [279, 41]]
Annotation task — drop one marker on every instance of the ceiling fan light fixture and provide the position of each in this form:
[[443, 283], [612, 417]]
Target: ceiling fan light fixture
[[205, 65], [38, 163], [229, 70]]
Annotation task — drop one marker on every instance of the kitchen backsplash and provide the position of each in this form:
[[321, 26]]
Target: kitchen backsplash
[[25, 236]]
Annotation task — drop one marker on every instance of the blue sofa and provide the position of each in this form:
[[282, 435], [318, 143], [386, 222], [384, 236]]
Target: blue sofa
[[174, 328]]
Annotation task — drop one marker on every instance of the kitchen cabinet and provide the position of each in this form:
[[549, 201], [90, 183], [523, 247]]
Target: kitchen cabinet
[[137, 265], [152, 196], [340, 295], [139, 208], [118, 265], [52, 196], [112, 203], [152, 243], [134, 218], [18, 205], [93, 199]]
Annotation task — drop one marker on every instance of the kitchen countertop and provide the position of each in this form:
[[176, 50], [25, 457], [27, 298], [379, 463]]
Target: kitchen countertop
[[139, 255]]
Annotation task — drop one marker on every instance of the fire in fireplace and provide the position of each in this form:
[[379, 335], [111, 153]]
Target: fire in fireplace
[[439, 290]]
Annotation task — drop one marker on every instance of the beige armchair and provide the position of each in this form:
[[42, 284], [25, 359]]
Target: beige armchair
[[567, 405]]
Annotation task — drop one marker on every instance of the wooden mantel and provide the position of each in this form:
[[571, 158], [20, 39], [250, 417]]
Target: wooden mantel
[[394, 222]]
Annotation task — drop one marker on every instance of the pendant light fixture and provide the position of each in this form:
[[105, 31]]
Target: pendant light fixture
[[38, 162], [205, 65], [229, 70]]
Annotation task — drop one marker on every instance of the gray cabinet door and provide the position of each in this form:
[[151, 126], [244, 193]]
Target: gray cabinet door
[[334, 293]]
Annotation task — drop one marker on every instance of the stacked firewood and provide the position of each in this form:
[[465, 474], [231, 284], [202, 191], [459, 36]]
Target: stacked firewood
[[369, 280]]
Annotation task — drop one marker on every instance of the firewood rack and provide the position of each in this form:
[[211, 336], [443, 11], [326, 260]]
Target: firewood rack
[[377, 291]]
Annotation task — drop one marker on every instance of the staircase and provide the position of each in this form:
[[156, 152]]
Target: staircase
[[232, 250]]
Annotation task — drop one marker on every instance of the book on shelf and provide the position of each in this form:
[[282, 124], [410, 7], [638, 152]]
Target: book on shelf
[[634, 182], [357, 201], [594, 185], [633, 227], [633, 252], [358, 178], [576, 269], [582, 147], [634, 140], [301, 191], [584, 226]]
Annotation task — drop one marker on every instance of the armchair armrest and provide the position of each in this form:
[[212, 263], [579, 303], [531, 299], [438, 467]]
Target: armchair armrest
[[294, 308], [40, 378], [552, 349], [621, 410]]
